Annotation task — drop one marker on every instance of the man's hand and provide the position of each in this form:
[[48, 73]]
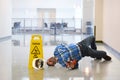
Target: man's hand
[[71, 64]]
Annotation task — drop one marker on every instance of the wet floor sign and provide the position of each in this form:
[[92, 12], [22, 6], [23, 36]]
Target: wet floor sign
[[36, 74], [36, 51]]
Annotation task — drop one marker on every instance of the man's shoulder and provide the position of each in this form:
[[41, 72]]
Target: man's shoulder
[[60, 49]]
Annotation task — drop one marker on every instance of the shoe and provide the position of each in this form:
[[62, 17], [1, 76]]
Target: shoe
[[98, 58], [107, 58]]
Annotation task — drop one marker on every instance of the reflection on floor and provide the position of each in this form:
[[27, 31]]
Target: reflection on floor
[[24, 40], [14, 66]]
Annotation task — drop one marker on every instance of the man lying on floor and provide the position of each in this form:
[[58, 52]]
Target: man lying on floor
[[69, 55]]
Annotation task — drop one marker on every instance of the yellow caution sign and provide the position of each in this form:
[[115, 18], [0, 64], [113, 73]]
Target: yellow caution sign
[[36, 74], [36, 49]]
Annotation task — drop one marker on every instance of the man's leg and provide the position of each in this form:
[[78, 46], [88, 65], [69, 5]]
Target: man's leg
[[89, 41], [93, 44], [86, 51]]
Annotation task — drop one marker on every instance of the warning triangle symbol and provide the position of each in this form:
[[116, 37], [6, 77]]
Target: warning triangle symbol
[[35, 50]]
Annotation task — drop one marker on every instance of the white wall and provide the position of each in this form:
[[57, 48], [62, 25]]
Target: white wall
[[28, 8], [24, 13], [111, 23], [99, 19], [5, 18], [43, 3], [66, 13]]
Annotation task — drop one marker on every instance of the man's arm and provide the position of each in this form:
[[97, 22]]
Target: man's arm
[[71, 64]]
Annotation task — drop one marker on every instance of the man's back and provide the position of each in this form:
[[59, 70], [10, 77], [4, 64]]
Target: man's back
[[65, 53]]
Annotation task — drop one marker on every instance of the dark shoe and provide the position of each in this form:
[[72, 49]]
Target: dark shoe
[[98, 58], [107, 58]]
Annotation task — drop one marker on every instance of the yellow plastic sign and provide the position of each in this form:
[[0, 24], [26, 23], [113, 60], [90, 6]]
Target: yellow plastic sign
[[36, 49], [36, 74]]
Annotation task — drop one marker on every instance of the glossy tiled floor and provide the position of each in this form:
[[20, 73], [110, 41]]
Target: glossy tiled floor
[[14, 61], [5, 60]]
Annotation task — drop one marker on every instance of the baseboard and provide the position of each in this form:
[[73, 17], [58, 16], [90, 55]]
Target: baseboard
[[113, 51], [99, 41], [5, 38]]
